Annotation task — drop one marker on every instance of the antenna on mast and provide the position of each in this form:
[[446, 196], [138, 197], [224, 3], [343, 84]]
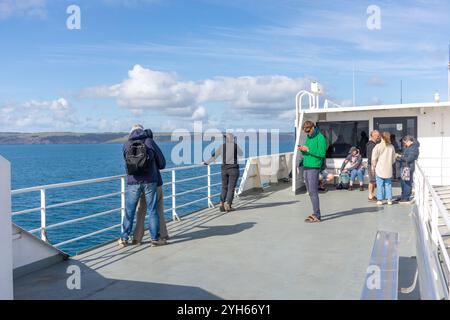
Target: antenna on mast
[[448, 85], [354, 86], [401, 91]]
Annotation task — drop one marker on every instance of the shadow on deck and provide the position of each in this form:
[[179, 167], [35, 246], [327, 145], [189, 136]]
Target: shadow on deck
[[263, 250]]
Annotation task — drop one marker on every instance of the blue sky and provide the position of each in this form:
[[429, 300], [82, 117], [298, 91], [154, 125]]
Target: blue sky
[[230, 64]]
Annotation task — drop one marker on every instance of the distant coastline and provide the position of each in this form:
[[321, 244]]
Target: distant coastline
[[9, 138]]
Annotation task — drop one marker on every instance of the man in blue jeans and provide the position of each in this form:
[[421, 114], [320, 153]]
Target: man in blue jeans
[[142, 177]]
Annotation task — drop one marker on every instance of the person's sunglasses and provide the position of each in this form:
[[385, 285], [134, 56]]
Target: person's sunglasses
[[307, 130]]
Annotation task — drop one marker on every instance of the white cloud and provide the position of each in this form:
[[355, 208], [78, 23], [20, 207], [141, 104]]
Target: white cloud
[[376, 81], [376, 101], [287, 115], [9, 8], [165, 92], [200, 114], [56, 114]]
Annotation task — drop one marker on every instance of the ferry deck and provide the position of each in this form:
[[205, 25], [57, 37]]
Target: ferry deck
[[263, 250]]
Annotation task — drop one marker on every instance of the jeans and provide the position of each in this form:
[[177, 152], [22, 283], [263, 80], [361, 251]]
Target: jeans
[[311, 177], [357, 173], [406, 188], [133, 194], [384, 189], [229, 179], [141, 212]]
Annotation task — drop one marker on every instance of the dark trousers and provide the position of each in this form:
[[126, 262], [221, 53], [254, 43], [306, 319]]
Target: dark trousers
[[312, 185], [230, 177], [407, 188]]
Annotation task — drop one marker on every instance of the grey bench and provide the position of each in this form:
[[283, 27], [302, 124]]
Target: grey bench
[[381, 281]]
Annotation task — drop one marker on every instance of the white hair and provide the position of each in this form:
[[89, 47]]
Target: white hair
[[136, 127]]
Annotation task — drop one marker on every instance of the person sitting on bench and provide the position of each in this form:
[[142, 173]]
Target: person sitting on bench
[[354, 166]]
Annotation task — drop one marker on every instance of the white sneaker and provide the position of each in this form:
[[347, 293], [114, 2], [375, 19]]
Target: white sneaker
[[379, 203], [390, 203]]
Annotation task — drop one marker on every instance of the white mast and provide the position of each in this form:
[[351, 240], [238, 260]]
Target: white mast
[[448, 85], [354, 86]]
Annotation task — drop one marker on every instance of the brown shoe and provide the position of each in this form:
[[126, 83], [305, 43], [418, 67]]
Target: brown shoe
[[158, 243], [313, 219], [136, 243], [122, 243], [227, 207]]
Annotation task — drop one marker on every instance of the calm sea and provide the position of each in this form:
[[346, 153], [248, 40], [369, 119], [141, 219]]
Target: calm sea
[[34, 165]]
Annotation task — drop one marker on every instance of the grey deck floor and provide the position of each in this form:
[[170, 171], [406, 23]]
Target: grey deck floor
[[262, 251]]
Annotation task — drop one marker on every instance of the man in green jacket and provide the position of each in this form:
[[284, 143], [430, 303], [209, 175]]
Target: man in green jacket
[[314, 152]]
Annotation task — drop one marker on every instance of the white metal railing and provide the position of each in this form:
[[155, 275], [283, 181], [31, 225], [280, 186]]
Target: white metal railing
[[432, 257], [122, 178], [437, 169]]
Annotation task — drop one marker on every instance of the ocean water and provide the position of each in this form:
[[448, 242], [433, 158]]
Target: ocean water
[[34, 165]]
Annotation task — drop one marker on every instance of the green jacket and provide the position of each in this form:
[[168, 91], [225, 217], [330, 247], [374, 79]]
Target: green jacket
[[317, 145]]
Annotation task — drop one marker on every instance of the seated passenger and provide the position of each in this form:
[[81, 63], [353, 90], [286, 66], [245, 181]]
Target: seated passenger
[[324, 177], [353, 164]]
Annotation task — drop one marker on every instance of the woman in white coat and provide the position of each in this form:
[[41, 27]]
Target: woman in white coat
[[383, 159]]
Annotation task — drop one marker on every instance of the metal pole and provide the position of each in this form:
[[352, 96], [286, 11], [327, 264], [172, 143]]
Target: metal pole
[[210, 204], [354, 86], [174, 203], [122, 201], [401, 91], [43, 216]]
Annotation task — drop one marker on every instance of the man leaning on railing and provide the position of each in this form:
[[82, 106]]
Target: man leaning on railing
[[230, 153], [142, 177], [141, 210]]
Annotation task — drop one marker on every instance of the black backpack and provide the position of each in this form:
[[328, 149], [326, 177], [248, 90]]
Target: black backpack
[[136, 159]]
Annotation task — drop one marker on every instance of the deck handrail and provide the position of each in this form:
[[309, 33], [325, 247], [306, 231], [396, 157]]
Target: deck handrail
[[173, 181], [432, 257]]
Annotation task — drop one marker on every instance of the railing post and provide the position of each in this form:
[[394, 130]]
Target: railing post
[[6, 262], [175, 216], [43, 216], [210, 204], [122, 201]]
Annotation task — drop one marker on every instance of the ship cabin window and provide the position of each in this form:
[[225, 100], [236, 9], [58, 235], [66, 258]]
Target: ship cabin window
[[342, 135]]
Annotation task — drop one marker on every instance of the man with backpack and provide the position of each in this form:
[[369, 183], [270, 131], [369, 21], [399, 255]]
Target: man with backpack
[[142, 177], [141, 210]]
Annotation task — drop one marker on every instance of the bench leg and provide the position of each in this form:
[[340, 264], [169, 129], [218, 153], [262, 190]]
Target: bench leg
[[413, 286]]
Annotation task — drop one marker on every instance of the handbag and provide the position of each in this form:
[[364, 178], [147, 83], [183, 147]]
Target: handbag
[[406, 174]]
